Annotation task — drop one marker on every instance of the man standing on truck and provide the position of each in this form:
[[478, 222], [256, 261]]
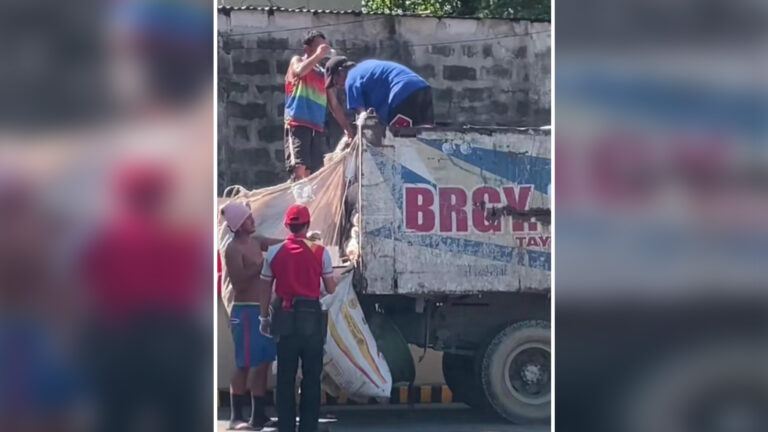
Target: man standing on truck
[[305, 102], [254, 352], [400, 97], [297, 266]]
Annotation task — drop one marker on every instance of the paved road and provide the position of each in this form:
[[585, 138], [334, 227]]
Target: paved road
[[401, 418]]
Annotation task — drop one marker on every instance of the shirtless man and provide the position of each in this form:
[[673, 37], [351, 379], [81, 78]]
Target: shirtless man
[[254, 352]]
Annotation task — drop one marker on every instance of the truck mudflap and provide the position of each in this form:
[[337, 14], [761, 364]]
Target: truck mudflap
[[455, 210]]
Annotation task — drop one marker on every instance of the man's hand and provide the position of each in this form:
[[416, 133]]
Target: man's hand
[[314, 236], [265, 324], [350, 134], [323, 50]]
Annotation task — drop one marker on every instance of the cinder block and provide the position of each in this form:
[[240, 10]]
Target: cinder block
[[521, 53], [258, 67], [241, 133], [476, 94], [442, 50], [459, 73], [496, 71], [470, 50], [252, 157], [426, 71], [272, 43], [247, 111], [271, 133]]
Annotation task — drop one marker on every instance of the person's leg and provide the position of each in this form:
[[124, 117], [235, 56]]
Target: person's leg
[[257, 383], [238, 383], [287, 363], [297, 146], [262, 356], [257, 387], [237, 395], [300, 172], [414, 110], [317, 152], [426, 116], [311, 367]]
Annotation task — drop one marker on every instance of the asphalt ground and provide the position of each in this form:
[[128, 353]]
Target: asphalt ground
[[453, 417]]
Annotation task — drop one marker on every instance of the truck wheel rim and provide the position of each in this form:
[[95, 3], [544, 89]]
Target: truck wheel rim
[[527, 373]]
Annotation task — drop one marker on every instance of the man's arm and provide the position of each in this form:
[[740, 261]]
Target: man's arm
[[264, 288], [266, 242], [338, 113], [330, 283], [302, 67], [329, 279], [238, 274]]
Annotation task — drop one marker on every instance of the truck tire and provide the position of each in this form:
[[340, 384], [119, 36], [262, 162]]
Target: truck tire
[[515, 372], [455, 373], [462, 378]]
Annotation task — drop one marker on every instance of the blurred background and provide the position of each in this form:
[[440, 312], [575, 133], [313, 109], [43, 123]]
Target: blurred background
[[106, 209], [661, 216]]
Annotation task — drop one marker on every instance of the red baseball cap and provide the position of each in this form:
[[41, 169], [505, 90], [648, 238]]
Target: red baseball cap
[[297, 214]]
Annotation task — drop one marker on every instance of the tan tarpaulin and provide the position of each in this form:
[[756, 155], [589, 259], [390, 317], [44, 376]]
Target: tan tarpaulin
[[323, 192]]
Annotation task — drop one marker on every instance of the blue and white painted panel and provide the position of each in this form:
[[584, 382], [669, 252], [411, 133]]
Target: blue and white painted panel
[[457, 212]]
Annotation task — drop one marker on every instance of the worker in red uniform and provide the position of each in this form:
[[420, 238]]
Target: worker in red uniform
[[297, 266]]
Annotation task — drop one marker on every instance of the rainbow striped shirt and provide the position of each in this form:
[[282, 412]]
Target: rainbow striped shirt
[[305, 100]]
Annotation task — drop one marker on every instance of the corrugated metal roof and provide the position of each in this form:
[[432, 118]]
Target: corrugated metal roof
[[282, 9], [224, 8]]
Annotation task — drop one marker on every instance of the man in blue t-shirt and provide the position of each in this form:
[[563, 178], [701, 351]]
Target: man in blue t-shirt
[[400, 97]]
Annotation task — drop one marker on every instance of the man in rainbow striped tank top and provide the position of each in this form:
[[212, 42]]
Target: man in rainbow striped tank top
[[305, 104]]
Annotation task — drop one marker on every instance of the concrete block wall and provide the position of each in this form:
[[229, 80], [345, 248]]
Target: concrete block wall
[[477, 76]]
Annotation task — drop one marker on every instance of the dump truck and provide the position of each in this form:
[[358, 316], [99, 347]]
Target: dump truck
[[446, 231], [453, 237]]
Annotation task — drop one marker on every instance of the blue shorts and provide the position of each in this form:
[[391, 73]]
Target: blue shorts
[[251, 347]]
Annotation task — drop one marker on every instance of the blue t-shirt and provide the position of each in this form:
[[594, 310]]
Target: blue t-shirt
[[380, 85]]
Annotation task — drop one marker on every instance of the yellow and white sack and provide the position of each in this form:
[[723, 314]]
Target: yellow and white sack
[[352, 363]]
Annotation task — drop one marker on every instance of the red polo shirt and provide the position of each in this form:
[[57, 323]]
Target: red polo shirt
[[297, 265]]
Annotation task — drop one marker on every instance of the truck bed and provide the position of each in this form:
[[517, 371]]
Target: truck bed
[[455, 210]]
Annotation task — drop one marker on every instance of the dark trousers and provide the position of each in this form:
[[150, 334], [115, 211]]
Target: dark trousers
[[417, 107], [291, 348]]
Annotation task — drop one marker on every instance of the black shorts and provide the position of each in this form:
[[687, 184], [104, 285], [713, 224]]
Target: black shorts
[[303, 146], [415, 109]]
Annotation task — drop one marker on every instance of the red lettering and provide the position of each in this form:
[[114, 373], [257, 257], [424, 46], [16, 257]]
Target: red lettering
[[545, 241], [518, 200], [490, 196], [453, 202], [532, 242], [519, 241], [419, 215]]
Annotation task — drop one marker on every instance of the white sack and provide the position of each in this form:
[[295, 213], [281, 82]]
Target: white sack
[[352, 360]]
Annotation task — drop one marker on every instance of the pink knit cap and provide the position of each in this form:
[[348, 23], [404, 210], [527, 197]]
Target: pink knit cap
[[235, 214]]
